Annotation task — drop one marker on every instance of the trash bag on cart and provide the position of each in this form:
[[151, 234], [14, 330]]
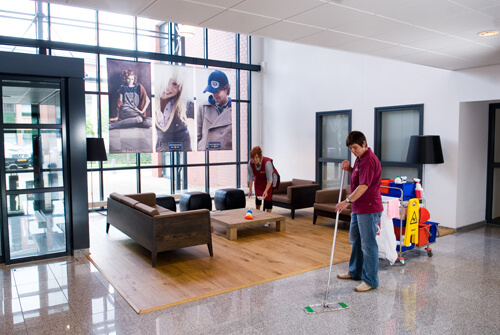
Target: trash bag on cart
[[386, 239]]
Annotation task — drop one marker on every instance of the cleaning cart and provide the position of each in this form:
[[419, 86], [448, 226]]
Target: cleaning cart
[[409, 231]]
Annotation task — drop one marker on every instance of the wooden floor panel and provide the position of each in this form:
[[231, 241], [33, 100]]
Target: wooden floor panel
[[260, 254]]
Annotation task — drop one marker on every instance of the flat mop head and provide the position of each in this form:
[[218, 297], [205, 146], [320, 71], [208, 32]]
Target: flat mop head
[[322, 308]]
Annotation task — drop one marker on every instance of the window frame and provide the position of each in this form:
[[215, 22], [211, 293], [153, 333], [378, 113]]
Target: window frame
[[319, 143], [241, 62], [378, 134]]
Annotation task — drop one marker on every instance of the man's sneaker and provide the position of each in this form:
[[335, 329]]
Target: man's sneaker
[[344, 275], [363, 287], [267, 224]]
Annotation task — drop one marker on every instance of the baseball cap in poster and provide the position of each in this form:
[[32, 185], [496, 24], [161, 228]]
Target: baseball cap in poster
[[216, 80]]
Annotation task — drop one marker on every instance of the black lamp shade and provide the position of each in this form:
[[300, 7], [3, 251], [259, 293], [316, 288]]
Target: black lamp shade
[[96, 150], [425, 149]]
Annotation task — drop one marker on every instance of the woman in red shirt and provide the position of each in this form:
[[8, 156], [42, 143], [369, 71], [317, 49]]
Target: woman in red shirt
[[366, 205], [260, 172]]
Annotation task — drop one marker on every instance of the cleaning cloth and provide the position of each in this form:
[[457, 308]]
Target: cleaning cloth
[[393, 208]]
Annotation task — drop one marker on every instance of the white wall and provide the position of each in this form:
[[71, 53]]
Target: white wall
[[298, 81], [472, 161]]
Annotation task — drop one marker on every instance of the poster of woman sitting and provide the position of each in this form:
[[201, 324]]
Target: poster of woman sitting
[[129, 86]]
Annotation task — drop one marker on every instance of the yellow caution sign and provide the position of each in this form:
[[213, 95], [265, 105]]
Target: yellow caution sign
[[411, 228]]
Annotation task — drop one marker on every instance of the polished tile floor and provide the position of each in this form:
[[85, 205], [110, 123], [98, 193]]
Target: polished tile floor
[[457, 291]]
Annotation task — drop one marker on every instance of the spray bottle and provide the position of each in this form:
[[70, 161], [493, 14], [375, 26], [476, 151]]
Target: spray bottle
[[419, 191], [397, 180]]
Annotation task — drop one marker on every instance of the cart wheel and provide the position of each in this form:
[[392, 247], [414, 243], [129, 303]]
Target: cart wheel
[[401, 260], [429, 253]]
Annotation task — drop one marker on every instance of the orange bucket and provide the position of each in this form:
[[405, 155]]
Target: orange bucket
[[385, 182]]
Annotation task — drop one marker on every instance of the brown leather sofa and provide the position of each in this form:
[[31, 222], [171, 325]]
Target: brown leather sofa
[[325, 203], [156, 228], [295, 194]]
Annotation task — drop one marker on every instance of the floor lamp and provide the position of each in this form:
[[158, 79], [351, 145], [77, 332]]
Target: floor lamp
[[96, 152], [425, 149]]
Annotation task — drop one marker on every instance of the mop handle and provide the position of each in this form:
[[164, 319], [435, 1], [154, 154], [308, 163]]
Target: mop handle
[[334, 239]]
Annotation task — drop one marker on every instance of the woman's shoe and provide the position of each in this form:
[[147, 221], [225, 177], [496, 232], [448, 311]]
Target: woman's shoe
[[344, 275], [363, 287]]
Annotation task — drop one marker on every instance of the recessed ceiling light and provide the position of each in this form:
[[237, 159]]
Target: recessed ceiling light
[[488, 33]]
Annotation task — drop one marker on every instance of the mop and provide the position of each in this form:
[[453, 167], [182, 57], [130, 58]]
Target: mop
[[330, 306]]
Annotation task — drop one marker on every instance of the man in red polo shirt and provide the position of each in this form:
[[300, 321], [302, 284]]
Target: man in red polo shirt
[[366, 205]]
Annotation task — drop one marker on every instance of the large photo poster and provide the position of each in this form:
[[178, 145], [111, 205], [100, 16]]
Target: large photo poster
[[214, 125], [130, 121], [174, 108]]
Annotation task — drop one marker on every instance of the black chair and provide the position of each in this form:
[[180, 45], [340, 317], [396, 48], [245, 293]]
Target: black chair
[[229, 198], [195, 200], [166, 201]]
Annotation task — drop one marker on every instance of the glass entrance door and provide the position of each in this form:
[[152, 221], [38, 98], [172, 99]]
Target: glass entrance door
[[33, 203], [493, 182]]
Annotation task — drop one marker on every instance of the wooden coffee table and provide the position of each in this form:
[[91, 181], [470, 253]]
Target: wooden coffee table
[[234, 218]]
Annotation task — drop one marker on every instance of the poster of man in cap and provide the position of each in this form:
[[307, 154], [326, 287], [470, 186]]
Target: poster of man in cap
[[214, 116]]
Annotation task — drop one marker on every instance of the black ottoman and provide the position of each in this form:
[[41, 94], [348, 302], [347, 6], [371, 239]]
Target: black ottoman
[[195, 200], [229, 198], [166, 201]]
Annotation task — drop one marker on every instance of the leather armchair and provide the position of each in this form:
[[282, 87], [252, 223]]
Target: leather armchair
[[295, 194], [325, 202]]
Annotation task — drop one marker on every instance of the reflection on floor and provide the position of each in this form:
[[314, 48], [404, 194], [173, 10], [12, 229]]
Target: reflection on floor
[[39, 228], [454, 292]]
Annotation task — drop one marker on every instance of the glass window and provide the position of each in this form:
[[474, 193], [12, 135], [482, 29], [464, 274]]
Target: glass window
[[121, 181], [193, 43], [393, 128], [62, 23], [244, 131], [332, 175], [91, 114], [116, 31], [222, 176], [221, 46], [18, 18], [31, 102], [244, 75], [67, 22], [149, 35], [34, 156], [244, 176], [334, 134], [244, 49], [154, 180], [36, 223], [120, 160], [196, 178], [397, 128], [93, 185], [332, 129]]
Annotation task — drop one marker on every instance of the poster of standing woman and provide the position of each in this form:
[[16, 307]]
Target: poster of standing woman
[[129, 87], [174, 107]]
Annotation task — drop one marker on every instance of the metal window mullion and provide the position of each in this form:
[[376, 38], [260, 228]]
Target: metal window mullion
[[238, 114], [249, 94], [100, 170]]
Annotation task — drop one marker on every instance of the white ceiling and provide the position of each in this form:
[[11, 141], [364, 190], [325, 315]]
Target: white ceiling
[[437, 33]]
